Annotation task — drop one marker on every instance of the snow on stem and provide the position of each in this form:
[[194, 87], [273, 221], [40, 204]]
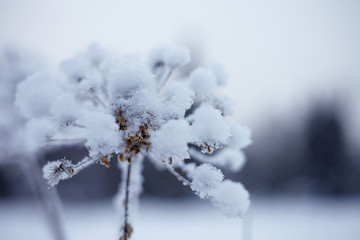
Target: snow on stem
[[120, 105]]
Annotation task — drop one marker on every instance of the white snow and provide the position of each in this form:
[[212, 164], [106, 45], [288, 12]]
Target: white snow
[[171, 140], [37, 94], [202, 81], [232, 198], [209, 127], [177, 57], [206, 180], [240, 136], [269, 218]]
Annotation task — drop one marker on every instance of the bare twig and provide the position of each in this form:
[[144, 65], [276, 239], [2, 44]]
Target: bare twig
[[47, 198], [127, 227], [165, 77], [66, 140], [177, 175], [85, 162], [98, 100]]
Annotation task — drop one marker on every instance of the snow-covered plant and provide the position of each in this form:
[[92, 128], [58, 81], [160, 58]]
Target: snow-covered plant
[[120, 106], [14, 68], [15, 149]]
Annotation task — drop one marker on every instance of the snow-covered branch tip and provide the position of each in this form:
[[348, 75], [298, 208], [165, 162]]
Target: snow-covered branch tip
[[120, 106], [58, 170]]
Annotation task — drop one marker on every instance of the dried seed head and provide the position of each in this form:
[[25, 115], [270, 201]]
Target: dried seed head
[[148, 147], [105, 160], [121, 157], [122, 120], [71, 172], [128, 231], [208, 148]]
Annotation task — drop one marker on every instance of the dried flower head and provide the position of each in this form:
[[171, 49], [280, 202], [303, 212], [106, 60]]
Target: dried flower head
[[58, 170], [122, 106]]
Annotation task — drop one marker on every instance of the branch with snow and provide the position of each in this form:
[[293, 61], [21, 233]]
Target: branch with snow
[[121, 106]]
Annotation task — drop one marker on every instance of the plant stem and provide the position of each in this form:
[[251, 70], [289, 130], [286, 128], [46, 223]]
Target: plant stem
[[47, 198], [126, 212], [178, 176], [165, 77], [85, 162]]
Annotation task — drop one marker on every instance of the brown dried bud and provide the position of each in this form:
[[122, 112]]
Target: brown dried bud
[[121, 157], [71, 172], [136, 150], [148, 147], [105, 160], [122, 120], [208, 148], [128, 231]]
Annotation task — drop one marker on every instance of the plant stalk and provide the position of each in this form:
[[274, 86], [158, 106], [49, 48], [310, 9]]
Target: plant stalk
[[48, 199], [126, 227]]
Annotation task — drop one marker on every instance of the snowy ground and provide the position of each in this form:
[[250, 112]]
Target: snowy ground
[[285, 218]]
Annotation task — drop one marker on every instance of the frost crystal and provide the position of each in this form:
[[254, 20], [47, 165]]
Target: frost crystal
[[121, 106]]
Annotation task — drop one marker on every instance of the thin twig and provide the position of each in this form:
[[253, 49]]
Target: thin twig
[[177, 175], [98, 100], [165, 77], [77, 125], [66, 140], [48, 199], [126, 213], [85, 162], [199, 156]]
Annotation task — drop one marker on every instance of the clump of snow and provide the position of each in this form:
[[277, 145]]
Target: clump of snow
[[202, 81], [173, 57], [177, 57], [206, 180], [125, 76], [102, 133], [15, 67], [38, 132], [209, 128], [37, 94], [178, 98], [65, 109], [240, 136], [222, 103], [219, 72], [232, 198], [171, 140], [232, 159], [78, 67]]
